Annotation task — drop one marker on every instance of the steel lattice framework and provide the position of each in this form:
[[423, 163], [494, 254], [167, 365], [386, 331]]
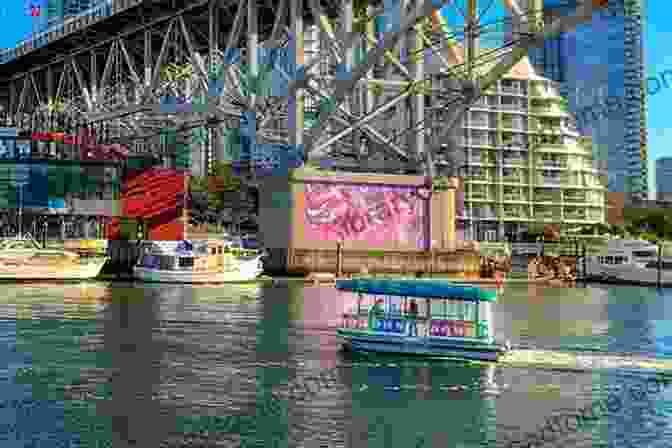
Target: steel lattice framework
[[360, 93]]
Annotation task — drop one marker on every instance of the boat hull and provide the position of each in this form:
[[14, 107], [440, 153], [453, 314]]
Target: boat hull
[[429, 347], [28, 272], [629, 274], [162, 276]]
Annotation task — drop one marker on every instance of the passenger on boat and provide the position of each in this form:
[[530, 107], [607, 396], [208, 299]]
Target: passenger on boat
[[412, 316], [376, 312]]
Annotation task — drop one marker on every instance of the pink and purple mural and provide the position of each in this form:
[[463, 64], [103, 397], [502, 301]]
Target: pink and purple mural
[[378, 215]]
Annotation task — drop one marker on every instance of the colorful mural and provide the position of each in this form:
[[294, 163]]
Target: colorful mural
[[375, 214]]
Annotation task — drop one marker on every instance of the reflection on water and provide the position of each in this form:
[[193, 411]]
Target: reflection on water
[[154, 365]]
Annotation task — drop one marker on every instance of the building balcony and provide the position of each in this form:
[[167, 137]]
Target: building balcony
[[576, 216], [552, 164], [546, 216], [481, 124], [546, 110], [482, 142], [513, 125], [522, 197], [516, 145], [481, 197], [575, 199], [514, 179], [546, 198], [513, 108], [554, 181], [515, 215], [480, 179], [512, 90], [514, 161], [482, 160], [538, 91]]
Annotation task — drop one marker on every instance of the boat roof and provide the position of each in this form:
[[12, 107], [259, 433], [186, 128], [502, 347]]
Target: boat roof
[[430, 289]]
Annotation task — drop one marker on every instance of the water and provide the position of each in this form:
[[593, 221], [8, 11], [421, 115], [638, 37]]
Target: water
[[173, 366]]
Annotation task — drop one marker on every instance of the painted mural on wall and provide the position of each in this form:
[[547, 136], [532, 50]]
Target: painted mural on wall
[[375, 214]]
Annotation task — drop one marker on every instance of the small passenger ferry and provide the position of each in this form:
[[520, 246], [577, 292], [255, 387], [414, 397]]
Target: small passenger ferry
[[628, 261], [205, 261], [430, 318]]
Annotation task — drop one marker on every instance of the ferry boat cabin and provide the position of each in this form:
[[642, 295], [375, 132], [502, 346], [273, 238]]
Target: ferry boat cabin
[[436, 317]]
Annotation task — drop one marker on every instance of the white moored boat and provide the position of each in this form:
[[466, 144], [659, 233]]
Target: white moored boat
[[628, 261], [205, 261]]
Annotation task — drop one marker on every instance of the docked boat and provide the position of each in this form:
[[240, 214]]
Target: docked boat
[[627, 261], [429, 318], [24, 259], [204, 261]]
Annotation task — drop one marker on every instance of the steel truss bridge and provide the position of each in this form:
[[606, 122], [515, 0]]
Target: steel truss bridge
[[357, 93]]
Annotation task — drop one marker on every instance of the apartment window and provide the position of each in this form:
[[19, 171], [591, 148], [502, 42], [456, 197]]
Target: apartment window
[[479, 119]]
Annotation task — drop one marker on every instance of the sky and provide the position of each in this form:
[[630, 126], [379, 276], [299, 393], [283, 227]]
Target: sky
[[17, 24]]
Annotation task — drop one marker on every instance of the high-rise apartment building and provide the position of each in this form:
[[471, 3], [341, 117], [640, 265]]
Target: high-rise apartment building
[[512, 180], [664, 179], [58, 10], [600, 66]]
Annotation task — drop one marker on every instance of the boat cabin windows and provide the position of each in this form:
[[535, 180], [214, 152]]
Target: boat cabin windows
[[644, 253], [453, 310], [453, 318], [618, 259], [163, 262], [665, 265], [185, 262]]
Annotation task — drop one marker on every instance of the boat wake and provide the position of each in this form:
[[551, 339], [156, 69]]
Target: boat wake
[[582, 361]]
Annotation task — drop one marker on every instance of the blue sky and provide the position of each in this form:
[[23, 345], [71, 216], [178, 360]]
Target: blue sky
[[16, 24]]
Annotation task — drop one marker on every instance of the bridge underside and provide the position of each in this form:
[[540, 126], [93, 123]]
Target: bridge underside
[[357, 101]]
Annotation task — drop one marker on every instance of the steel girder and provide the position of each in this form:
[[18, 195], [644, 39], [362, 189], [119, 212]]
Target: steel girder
[[121, 78]]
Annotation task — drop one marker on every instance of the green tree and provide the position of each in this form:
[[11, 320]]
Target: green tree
[[209, 193]]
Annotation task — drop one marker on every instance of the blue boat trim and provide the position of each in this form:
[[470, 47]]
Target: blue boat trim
[[428, 343], [431, 289]]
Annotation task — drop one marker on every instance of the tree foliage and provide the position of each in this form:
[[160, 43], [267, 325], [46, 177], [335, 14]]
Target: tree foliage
[[208, 193]]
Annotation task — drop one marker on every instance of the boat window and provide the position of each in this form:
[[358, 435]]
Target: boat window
[[665, 265], [213, 251], [186, 262], [619, 259], [166, 262], [219, 250], [453, 310], [609, 260], [644, 253], [393, 305]]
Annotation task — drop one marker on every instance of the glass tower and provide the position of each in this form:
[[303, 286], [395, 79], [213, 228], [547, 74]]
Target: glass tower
[[600, 66]]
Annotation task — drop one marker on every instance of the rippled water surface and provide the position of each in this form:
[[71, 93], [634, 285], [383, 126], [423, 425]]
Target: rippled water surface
[[138, 365]]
